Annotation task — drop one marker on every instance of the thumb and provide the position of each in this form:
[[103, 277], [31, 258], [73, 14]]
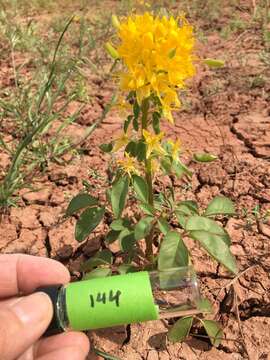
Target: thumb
[[22, 323]]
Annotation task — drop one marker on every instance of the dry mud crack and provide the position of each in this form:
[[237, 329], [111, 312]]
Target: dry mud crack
[[254, 131], [223, 115], [36, 228]]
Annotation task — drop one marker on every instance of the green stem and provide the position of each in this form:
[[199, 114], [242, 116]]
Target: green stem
[[148, 178]]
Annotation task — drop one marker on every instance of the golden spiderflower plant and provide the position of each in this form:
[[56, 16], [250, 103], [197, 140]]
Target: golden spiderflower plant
[[157, 58], [154, 57]]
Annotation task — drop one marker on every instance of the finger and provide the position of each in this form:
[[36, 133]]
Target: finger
[[23, 323], [70, 339], [10, 302], [24, 273], [68, 353]]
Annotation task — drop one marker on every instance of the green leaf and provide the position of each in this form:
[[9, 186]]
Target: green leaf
[[131, 148], [214, 331], [107, 148], [141, 188], [112, 236], [166, 165], [97, 273], [120, 224], [220, 205], [141, 150], [135, 124], [180, 169], [127, 240], [136, 112], [173, 252], [147, 209], [87, 222], [204, 157], [184, 210], [126, 268], [180, 330], [160, 201], [81, 201], [188, 207], [143, 227], [103, 257], [127, 122], [136, 109], [216, 247], [156, 122], [204, 305], [119, 194], [163, 225], [202, 223]]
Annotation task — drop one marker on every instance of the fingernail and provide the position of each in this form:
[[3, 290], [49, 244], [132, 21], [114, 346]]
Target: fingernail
[[33, 309]]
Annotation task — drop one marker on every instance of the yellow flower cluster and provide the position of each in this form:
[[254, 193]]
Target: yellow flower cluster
[[175, 148], [153, 143], [158, 55], [128, 165]]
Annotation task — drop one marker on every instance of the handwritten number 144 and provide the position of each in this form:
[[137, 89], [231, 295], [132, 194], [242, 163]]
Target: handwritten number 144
[[104, 298]]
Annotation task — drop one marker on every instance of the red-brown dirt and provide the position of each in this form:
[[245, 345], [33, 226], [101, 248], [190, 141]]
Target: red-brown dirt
[[226, 114]]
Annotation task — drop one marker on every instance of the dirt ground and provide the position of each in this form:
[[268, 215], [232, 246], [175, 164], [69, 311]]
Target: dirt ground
[[227, 113]]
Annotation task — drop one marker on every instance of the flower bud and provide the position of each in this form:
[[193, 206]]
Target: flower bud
[[111, 51], [115, 22], [214, 63], [205, 157], [172, 53], [76, 18]]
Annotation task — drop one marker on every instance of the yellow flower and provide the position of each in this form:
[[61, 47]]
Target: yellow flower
[[175, 148], [77, 18], [153, 143], [155, 166], [128, 165], [158, 56], [123, 106], [120, 142]]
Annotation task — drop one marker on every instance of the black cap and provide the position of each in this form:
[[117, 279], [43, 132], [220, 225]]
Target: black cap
[[52, 291]]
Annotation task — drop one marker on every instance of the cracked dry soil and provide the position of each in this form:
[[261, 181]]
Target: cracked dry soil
[[234, 124]]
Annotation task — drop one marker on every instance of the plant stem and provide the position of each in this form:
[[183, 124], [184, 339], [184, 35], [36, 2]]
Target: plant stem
[[149, 179]]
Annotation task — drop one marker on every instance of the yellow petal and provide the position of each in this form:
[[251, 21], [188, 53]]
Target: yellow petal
[[157, 53], [168, 115], [120, 142]]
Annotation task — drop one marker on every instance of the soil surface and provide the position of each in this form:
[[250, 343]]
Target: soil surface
[[227, 113]]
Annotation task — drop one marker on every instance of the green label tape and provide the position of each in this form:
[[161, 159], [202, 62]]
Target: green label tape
[[110, 301]]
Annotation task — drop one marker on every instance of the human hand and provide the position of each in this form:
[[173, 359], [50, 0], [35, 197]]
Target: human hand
[[23, 319]]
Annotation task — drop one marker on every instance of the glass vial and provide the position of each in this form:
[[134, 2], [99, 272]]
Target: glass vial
[[123, 299]]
